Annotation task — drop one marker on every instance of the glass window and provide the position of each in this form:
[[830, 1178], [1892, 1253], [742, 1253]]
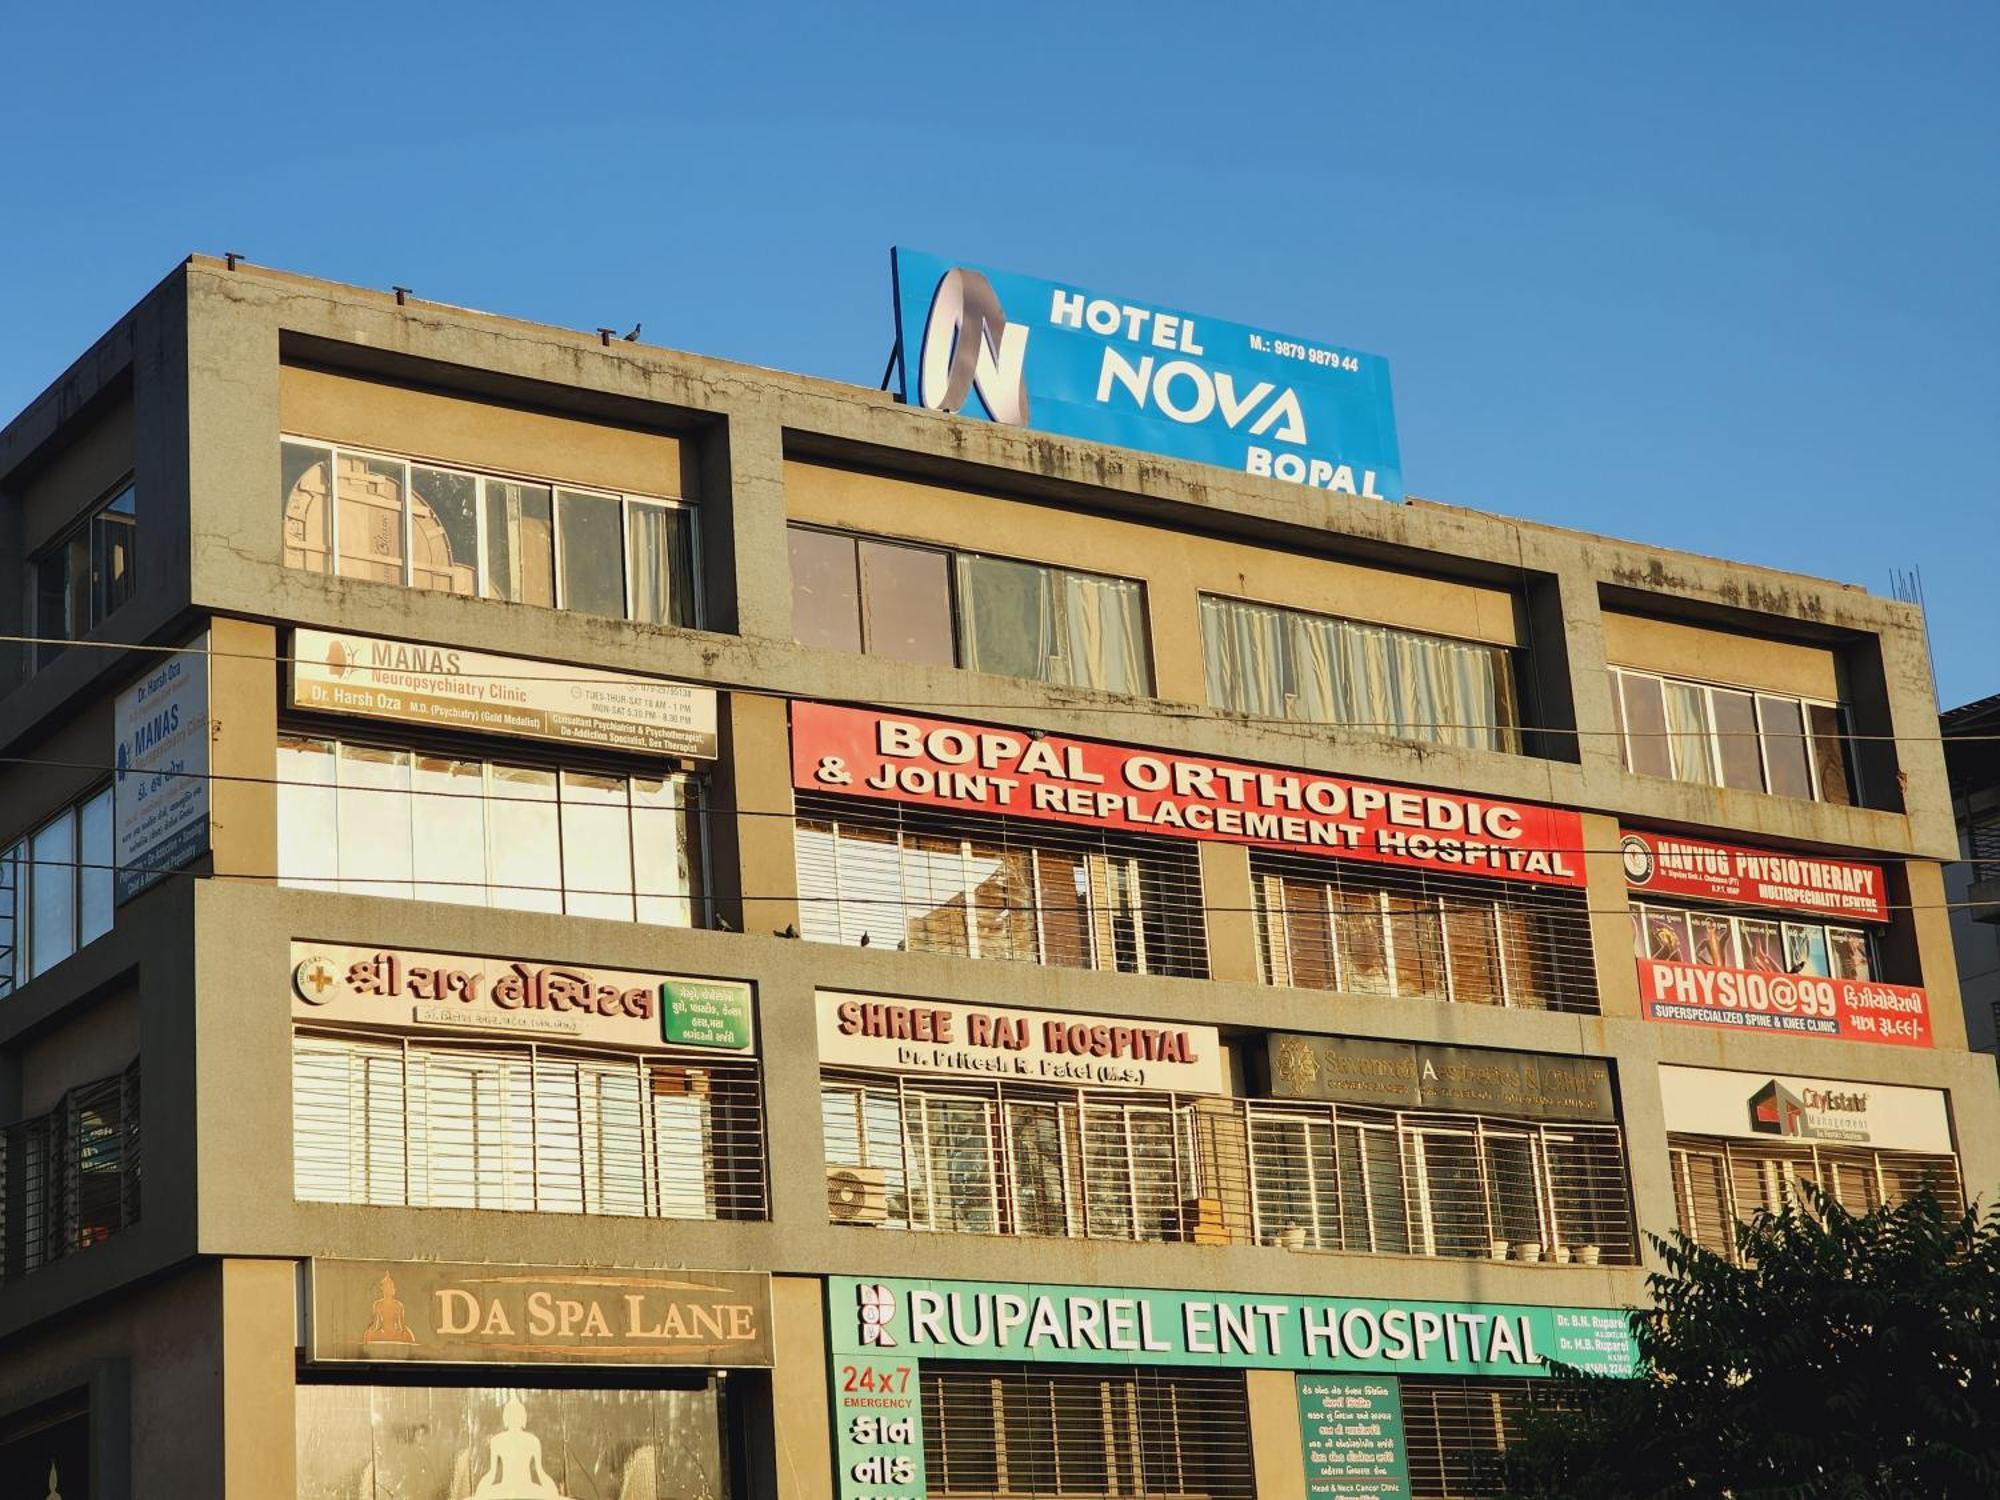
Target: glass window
[[666, 849], [374, 831], [371, 521], [906, 603], [1830, 767], [448, 829], [1417, 944], [592, 548], [305, 491], [1071, 629], [94, 876], [1688, 726], [524, 839], [1848, 949], [661, 558], [520, 543], [444, 531], [13, 918], [1736, 740], [85, 576], [114, 561], [308, 814], [1646, 750], [52, 620], [597, 846], [52, 894], [826, 590], [1474, 948], [1784, 738]]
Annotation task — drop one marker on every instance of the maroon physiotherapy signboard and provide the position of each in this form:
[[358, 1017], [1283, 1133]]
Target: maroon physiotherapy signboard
[[1667, 864]]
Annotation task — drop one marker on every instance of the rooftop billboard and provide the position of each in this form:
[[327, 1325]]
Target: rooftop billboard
[[1048, 355]]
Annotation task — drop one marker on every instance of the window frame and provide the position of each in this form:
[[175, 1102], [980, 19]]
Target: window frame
[[82, 596], [482, 564], [18, 967], [1708, 689]]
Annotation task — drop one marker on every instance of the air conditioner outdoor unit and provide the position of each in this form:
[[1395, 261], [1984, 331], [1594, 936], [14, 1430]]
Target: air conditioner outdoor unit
[[857, 1195]]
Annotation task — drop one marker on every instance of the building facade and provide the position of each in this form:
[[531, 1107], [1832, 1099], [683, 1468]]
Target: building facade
[[581, 920], [1972, 758]]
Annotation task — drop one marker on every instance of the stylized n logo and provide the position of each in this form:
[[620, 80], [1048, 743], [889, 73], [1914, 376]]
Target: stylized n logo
[[968, 344]]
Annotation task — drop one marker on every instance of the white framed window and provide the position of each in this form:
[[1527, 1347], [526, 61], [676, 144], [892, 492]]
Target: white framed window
[[1735, 737], [392, 519]]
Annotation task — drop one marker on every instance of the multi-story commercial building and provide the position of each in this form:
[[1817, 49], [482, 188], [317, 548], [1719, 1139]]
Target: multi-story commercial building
[[1972, 757], [588, 921]]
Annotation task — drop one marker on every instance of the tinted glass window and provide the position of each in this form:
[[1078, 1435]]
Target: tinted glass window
[[826, 593], [906, 603]]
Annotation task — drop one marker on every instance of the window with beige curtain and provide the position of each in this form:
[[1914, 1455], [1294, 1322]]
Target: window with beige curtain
[[1053, 625], [1318, 669]]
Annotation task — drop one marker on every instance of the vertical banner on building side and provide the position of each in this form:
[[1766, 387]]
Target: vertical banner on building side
[[159, 793], [879, 1422], [1044, 354], [1351, 1430]]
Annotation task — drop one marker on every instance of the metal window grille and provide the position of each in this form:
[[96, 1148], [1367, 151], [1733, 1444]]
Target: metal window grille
[[1719, 1182], [1365, 929], [976, 1157], [999, 887], [1017, 1431], [80, 1169], [1982, 844], [528, 1129], [1456, 1433]]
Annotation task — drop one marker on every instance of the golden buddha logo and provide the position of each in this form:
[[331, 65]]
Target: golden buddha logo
[[388, 1319]]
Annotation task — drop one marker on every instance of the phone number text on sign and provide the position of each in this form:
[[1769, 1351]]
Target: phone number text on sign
[[1798, 1004]]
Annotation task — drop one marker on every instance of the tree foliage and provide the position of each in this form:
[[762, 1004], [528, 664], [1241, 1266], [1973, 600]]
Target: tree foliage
[[1841, 1357]]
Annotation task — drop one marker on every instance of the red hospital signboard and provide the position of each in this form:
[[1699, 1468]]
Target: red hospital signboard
[[1666, 864], [861, 752], [1851, 1010]]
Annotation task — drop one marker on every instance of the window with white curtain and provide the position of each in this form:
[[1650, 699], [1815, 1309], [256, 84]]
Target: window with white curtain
[[1733, 737], [457, 531], [376, 820], [1317, 669], [405, 1122], [56, 889]]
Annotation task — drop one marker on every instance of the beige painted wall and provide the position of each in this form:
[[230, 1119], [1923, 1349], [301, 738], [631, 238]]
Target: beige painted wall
[[1682, 650], [478, 434]]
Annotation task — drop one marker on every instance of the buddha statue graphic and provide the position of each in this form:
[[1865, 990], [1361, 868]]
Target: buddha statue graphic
[[388, 1320], [514, 1461]]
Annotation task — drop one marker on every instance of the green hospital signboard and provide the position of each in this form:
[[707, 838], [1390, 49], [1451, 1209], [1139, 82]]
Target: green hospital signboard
[[1119, 1325]]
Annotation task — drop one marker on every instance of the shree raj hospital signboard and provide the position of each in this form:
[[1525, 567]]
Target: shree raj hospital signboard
[[1044, 354], [971, 768]]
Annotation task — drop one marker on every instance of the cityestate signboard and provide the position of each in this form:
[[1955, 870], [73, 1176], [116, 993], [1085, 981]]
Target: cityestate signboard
[[1667, 864], [1803, 1004], [864, 752], [470, 690], [1765, 1106], [991, 1041]]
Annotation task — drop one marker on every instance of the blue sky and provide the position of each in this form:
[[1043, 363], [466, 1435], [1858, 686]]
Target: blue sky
[[1720, 277]]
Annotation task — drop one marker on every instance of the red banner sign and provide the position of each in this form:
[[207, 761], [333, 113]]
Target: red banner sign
[[1665, 864], [1851, 1010], [972, 768]]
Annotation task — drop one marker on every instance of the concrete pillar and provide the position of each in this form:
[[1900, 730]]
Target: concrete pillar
[[1610, 918], [243, 756], [259, 1423], [756, 868], [1232, 925], [800, 1402], [1275, 1446], [1928, 931], [744, 470]]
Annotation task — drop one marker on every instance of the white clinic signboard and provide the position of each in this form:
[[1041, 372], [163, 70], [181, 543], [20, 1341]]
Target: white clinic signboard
[[451, 688], [1778, 1106], [160, 791]]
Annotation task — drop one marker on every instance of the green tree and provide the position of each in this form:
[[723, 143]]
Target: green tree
[[1840, 1357]]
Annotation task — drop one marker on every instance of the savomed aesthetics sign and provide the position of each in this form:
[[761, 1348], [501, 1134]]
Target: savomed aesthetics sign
[[862, 752], [1031, 353]]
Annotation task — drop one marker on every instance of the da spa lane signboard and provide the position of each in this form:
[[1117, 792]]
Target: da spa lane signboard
[[1048, 355], [470, 690], [397, 987], [970, 768], [1427, 1075], [159, 791], [990, 1041], [1351, 1434], [881, 1332], [435, 1312], [1667, 864], [1851, 1010]]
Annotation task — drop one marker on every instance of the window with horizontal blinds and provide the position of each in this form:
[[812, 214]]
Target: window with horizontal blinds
[[1456, 1434], [976, 1157], [1365, 929], [996, 887], [993, 1430], [525, 1128], [1719, 1182]]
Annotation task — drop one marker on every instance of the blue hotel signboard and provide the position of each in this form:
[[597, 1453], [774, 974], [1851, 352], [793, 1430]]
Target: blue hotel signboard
[[1042, 354]]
